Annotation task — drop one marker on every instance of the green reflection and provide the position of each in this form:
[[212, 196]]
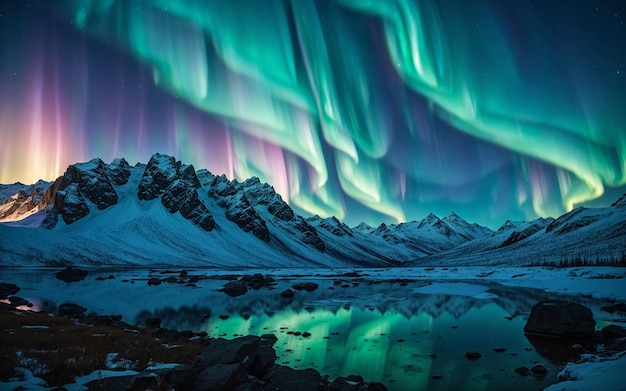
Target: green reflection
[[396, 349]]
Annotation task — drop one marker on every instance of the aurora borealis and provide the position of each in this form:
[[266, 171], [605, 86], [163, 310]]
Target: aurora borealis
[[381, 110]]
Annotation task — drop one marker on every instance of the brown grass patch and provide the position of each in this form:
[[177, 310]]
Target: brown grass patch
[[65, 349]]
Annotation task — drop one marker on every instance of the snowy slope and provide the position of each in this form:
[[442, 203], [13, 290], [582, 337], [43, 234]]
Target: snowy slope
[[589, 234]]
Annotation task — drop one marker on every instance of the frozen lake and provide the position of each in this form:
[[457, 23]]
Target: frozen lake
[[410, 334]]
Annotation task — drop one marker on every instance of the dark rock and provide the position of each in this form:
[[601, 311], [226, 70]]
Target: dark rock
[[307, 286], [71, 310], [92, 181], [617, 307], [220, 377], [163, 177], [162, 379], [348, 384], [119, 172], [193, 280], [265, 359], [154, 281], [70, 203], [288, 294], [232, 197], [182, 196], [473, 355], [71, 274], [269, 339], [264, 194], [160, 172], [171, 279], [539, 370], [241, 350], [355, 379], [499, 350], [257, 280], [613, 332], [153, 323], [234, 288], [282, 378], [8, 289], [335, 227], [560, 319], [15, 301], [523, 371], [306, 334]]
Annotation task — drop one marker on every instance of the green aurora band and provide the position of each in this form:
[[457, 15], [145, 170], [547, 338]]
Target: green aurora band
[[338, 80]]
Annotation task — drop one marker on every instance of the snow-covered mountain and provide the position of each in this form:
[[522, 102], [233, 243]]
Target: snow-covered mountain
[[585, 234], [167, 213], [18, 201]]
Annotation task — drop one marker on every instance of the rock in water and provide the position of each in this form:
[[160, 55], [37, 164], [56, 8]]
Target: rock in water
[[555, 318], [472, 356], [70, 274], [613, 332], [234, 288]]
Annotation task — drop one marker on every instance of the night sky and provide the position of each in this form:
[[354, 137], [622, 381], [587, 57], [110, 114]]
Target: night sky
[[375, 111]]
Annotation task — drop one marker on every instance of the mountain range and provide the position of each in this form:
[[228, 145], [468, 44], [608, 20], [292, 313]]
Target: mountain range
[[168, 213]]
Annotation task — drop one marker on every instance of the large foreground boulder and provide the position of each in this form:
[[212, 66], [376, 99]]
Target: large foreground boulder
[[555, 318], [7, 289]]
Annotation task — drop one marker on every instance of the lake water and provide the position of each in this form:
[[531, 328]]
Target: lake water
[[404, 335]]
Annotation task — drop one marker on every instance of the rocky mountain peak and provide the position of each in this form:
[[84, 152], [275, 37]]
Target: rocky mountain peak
[[362, 227], [508, 225], [334, 226], [177, 186], [160, 172], [231, 196]]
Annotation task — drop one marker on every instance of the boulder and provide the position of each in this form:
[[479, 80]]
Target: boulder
[[472, 356], [71, 274], [287, 294], [555, 318], [539, 370], [285, 378], [154, 281], [613, 332], [241, 351], [266, 356], [8, 289], [234, 288], [524, 371], [307, 286], [617, 307], [220, 377]]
